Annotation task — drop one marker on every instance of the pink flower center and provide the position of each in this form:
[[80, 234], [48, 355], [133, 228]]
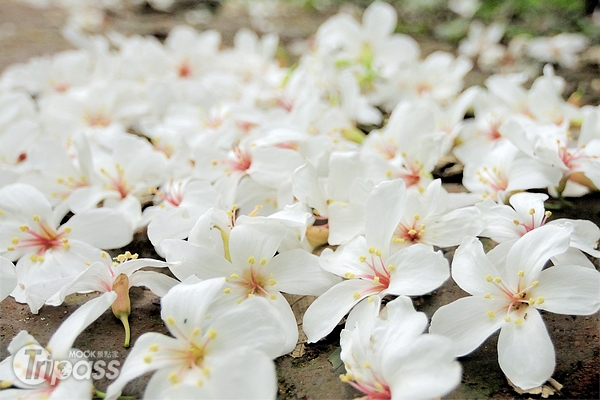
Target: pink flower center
[[378, 272], [252, 279], [493, 178], [43, 238], [117, 182], [97, 119], [411, 175], [517, 301], [374, 390], [569, 156], [241, 161], [387, 149], [171, 193], [531, 225], [410, 233], [184, 70]]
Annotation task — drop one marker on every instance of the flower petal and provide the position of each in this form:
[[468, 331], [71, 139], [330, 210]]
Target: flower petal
[[346, 221], [150, 352], [427, 370], [9, 277], [104, 228], [525, 351], [298, 272], [256, 323], [470, 266], [190, 259], [530, 253], [569, 289], [418, 270], [383, 210], [181, 320], [258, 241], [62, 340], [95, 278], [329, 308], [158, 283], [466, 322]]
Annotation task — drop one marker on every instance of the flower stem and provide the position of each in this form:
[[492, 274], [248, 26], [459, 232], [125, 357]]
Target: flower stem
[[124, 319]]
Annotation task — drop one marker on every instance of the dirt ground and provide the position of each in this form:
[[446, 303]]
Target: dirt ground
[[26, 32]]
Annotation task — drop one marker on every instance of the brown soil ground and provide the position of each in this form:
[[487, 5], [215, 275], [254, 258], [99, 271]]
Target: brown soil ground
[[25, 32]]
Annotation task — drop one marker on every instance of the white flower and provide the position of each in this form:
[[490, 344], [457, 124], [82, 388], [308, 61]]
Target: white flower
[[507, 291], [335, 198], [179, 204], [52, 386], [46, 251], [436, 218], [252, 269], [505, 170], [370, 270], [480, 39], [389, 357], [562, 48], [506, 224], [576, 160], [212, 354], [118, 277]]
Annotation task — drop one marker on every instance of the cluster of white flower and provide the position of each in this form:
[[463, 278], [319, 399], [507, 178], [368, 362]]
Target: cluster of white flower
[[483, 44], [239, 168]]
